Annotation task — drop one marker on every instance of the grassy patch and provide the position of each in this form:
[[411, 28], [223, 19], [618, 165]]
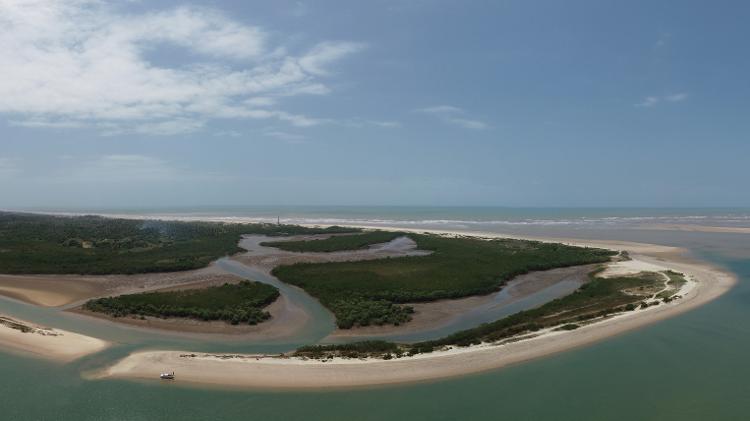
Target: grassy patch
[[336, 243], [676, 281], [358, 292], [233, 303], [94, 245]]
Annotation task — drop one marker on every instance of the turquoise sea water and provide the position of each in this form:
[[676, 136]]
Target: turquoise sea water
[[693, 366]]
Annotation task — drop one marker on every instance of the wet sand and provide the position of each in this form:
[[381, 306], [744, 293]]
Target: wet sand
[[72, 290]]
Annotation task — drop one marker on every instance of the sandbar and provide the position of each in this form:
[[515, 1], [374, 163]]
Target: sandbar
[[54, 344]]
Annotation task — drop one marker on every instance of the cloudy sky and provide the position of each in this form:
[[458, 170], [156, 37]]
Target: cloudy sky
[[402, 102]]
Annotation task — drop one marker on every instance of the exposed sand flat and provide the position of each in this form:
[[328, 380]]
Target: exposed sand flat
[[54, 344], [63, 290], [705, 283], [48, 290], [630, 267]]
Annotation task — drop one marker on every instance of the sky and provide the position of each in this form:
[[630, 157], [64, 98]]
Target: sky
[[386, 102]]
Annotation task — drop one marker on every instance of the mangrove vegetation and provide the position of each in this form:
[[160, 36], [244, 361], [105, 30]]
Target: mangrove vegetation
[[337, 242], [362, 293], [32, 244], [233, 303]]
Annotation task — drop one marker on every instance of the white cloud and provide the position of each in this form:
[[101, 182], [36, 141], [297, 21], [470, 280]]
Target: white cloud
[[676, 97], [169, 127], [129, 168], [468, 123], [285, 136], [299, 9], [36, 122], [359, 123], [227, 133], [454, 115], [651, 101], [87, 63], [317, 60], [385, 124], [440, 109]]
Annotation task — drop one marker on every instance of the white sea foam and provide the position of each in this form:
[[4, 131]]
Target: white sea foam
[[738, 219]]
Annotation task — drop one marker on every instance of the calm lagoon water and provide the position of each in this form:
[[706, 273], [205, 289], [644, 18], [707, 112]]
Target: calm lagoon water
[[694, 366]]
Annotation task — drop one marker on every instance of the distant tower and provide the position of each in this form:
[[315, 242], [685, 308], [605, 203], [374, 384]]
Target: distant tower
[[278, 220]]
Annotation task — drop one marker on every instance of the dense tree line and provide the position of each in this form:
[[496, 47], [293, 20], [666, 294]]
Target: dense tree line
[[31, 243], [373, 291], [350, 350], [336, 243], [233, 303]]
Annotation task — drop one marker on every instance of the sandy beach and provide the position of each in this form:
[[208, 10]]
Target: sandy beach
[[54, 344], [705, 284]]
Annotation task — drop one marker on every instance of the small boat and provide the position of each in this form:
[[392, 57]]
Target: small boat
[[167, 376]]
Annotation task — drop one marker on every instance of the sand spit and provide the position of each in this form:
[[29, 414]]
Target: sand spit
[[705, 284], [55, 344]]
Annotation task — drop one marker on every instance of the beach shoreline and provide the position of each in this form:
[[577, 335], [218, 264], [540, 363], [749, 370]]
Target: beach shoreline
[[706, 283], [58, 345]]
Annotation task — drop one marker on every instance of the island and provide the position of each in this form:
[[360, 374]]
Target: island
[[265, 280]]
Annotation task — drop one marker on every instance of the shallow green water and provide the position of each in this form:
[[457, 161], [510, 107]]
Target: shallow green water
[[694, 367]]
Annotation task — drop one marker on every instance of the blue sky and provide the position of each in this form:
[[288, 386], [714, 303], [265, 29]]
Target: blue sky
[[506, 103]]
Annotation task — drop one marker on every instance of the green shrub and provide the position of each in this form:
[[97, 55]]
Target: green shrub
[[33, 243], [369, 292], [232, 303]]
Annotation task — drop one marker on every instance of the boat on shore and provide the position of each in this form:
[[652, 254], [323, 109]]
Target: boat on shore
[[167, 376]]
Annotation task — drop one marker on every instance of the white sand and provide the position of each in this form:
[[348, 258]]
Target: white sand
[[705, 283], [54, 344]]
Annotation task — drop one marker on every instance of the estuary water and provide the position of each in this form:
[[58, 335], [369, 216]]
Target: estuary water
[[693, 366]]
